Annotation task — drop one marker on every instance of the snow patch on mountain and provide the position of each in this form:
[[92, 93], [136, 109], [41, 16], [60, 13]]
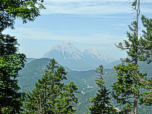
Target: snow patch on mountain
[[68, 55], [68, 50], [96, 55]]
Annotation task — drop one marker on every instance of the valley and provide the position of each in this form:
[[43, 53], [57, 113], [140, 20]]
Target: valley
[[84, 80]]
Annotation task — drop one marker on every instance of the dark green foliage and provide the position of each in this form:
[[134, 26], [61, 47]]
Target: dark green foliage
[[17, 9], [129, 84], [102, 99], [51, 98], [10, 61], [124, 85], [146, 96], [9, 65]]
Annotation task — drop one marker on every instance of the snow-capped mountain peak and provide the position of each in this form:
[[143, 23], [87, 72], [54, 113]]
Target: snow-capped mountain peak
[[97, 55], [68, 55], [64, 46], [68, 51], [92, 51]]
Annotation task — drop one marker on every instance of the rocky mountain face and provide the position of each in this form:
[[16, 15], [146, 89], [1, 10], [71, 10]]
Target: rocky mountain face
[[96, 55], [68, 55]]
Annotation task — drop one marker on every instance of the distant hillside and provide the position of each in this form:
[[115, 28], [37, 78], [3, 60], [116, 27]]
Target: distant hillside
[[29, 60], [35, 69], [84, 80], [112, 64], [109, 66]]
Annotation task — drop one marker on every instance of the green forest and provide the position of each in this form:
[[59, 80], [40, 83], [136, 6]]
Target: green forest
[[35, 69]]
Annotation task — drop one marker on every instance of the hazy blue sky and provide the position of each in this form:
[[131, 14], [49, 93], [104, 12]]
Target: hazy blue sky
[[84, 23]]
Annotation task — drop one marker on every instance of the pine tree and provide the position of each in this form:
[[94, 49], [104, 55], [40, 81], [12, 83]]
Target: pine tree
[[41, 89], [66, 103], [101, 103], [147, 96], [51, 99], [16, 8], [10, 98], [130, 83]]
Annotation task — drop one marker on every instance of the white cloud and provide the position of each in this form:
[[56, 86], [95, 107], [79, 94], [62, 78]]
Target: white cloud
[[119, 24], [35, 34], [118, 28], [91, 7]]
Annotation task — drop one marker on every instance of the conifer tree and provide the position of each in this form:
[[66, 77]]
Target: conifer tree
[[147, 96], [10, 61], [47, 100], [129, 79], [66, 103], [101, 102]]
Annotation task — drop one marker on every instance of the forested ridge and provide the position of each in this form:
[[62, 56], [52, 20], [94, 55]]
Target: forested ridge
[[28, 79]]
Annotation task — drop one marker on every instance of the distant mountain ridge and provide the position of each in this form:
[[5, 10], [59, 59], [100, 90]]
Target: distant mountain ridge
[[84, 80], [108, 66], [68, 55], [96, 55]]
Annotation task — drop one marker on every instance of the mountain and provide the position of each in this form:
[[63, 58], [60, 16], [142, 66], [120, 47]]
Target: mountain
[[65, 54], [68, 55], [28, 60], [112, 64], [108, 66], [84, 80], [96, 55], [66, 50], [35, 69]]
